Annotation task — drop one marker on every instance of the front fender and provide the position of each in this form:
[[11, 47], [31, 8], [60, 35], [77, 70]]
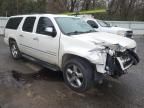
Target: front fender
[[98, 58]]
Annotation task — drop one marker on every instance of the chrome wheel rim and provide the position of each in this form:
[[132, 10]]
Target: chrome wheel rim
[[14, 51], [74, 76]]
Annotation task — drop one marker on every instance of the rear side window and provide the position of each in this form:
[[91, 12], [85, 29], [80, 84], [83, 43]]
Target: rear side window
[[13, 23], [29, 24]]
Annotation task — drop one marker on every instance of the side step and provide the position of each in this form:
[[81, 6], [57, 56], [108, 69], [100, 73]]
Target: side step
[[42, 63]]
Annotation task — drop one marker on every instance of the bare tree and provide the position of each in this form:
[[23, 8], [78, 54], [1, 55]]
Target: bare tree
[[125, 9]]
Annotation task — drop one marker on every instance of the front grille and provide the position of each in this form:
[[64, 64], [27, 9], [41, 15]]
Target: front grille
[[129, 34], [127, 63], [121, 54], [126, 60]]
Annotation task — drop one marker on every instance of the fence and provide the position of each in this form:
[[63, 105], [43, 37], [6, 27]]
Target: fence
[[3, 21], [137, 27]]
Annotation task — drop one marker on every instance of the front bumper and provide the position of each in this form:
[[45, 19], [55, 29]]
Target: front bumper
[[117, 64]]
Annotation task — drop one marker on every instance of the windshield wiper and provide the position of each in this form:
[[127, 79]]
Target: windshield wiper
[[90, 31], [80, 32], [75, 32]]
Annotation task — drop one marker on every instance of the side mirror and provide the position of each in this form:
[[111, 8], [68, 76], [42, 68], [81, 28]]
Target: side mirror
[[50, 31]]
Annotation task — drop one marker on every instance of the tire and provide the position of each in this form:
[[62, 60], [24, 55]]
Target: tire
[[78, 74], [15, 53]]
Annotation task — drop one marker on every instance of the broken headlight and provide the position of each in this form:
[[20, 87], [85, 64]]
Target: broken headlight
[[117, 47]]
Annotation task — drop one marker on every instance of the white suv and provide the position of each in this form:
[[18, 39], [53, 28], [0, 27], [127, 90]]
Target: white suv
[[68, 44], [102, 26]]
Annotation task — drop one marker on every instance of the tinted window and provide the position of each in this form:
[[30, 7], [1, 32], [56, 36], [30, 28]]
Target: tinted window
[[43, 23], [92, 24], [13, 23], [29, 24]]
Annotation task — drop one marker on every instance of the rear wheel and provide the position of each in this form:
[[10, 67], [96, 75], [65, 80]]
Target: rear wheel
[[14, 50], [78, 74]]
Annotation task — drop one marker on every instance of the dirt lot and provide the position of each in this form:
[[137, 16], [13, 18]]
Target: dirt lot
[[26, 85]]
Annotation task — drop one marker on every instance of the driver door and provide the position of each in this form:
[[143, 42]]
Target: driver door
[[48, 45]]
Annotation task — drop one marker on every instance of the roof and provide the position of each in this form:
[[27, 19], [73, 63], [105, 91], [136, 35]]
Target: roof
[[50, 15]]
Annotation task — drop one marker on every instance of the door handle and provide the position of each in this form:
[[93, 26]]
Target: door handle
[[21, 35], [36, 39]]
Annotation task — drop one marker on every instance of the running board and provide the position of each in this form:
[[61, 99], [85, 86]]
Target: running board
[[42, 63]]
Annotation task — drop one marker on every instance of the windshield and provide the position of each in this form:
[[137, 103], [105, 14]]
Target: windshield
[[73, 26], [103, 23]]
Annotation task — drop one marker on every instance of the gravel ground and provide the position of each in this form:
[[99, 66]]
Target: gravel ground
[[26, 85]]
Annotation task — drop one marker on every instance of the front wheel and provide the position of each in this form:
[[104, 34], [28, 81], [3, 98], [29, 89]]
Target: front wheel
[[78, 74]]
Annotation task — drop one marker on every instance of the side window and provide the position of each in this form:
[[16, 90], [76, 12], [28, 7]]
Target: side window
[[92, 24], [29, 24], [13, 23], [43, 23]]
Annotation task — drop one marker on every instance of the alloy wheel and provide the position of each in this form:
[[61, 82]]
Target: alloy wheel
[[74, 76]]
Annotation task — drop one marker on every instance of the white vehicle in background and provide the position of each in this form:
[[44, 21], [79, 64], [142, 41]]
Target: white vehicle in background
[[100, 25]]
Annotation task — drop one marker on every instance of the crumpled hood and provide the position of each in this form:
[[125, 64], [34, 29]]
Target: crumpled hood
[[107, 38]]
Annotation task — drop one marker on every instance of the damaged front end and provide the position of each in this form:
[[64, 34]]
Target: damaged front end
[[118, 63], [115, 60]]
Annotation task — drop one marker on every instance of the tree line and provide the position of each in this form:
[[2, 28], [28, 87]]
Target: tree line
[[116, 9], [127, 9], [13, 7]]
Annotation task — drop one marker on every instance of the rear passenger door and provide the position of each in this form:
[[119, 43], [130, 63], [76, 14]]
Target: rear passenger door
[[28, 40]]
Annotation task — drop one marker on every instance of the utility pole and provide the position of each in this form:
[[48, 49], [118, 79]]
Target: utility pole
[[6, 13], [17, 6], [107, 4]]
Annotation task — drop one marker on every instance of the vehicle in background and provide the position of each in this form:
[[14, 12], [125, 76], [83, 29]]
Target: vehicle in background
[[69, 44], [100, 25]]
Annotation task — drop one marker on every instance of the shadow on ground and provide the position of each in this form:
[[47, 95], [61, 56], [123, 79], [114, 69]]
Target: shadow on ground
[[43, 74]]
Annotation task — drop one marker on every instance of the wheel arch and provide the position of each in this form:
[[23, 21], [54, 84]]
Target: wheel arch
[[11, 39], [69, 56]]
